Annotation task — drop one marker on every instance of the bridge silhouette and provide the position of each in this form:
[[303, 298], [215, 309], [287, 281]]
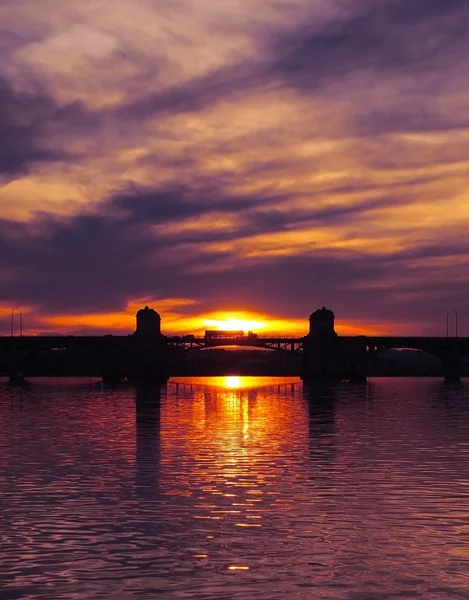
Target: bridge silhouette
[[292, 344], [148, 354]]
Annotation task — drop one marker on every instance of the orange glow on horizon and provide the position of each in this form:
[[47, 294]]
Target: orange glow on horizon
[[235, 324], [177, 321], [5, 311]]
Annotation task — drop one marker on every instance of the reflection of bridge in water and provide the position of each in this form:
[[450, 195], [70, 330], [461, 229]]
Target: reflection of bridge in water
[[148, 354], [233, 383]]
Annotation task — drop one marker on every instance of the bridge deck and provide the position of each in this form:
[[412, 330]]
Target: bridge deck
[[61, 339], [286, 338]]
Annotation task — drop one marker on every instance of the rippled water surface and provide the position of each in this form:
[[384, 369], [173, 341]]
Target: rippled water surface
[[234, 488]]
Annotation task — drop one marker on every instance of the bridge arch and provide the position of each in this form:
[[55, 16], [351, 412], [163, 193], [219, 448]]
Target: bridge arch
[[415, 359], [237, 359], [75, 357], [83, 355], [291, 345], [236, 348]]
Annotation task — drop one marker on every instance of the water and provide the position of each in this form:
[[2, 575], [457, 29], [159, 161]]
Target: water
[[224, 488]]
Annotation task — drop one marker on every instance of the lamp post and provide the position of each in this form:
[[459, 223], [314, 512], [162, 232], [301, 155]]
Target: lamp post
[[12, 322], [455, 322]]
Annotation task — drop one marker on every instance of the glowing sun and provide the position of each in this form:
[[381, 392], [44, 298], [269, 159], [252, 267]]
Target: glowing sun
[[234, 324], [232, 382]]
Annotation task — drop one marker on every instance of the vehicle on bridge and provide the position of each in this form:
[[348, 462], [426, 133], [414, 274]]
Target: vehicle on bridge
[[212, 334], [219, 334]]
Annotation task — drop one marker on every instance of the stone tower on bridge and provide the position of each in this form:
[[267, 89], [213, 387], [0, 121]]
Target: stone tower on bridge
[[321, 324], [148, 356], [327, 356], [148, 323]]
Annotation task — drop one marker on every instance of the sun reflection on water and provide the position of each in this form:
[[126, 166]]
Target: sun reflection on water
[[233, 382]]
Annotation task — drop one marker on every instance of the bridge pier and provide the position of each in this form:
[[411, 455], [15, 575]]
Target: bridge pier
[[148, 360], [16, 377], [338, 362], [149, 351], [452, 361], [328, 357], [452, 372], [452, 378]]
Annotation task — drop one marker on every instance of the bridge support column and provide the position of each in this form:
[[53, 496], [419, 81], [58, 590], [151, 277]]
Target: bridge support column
[[16, 377], [328, 357], [452, 372], [452, 361], [339, 360], [113, 367], [148, 360], [146, 356]]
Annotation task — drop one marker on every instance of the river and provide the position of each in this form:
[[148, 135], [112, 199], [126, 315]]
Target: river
[[234, 488]]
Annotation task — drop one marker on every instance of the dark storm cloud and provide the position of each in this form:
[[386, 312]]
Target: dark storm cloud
[[413, 115], [160, 206], [195, 94], [350, 284], [415, 47], [254, 214], [22, 130], [27, 120], [395, 37], [81, 264], [98, 262]]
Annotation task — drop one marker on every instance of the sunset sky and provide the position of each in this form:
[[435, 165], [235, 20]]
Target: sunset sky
[[234, 159]]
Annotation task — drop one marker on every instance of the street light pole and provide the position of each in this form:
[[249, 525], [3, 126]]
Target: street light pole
[[12, 321], [455, 322]]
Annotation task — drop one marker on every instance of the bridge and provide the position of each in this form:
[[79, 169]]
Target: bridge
[[148, 354], [191, 342]]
